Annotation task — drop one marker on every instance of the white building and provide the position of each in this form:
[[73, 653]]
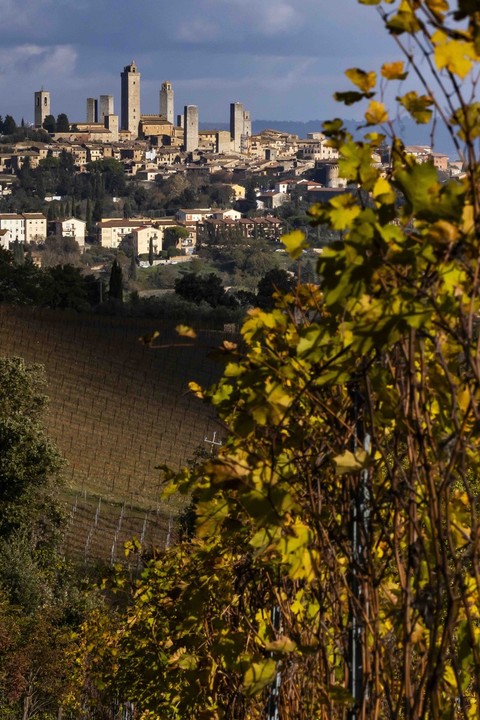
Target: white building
[[72, 228], [15, 226], [35, 227]]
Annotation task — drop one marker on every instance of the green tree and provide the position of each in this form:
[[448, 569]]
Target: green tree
[[9, 125], [173, 235], [198, 288], [115, 287], [49, 124], [39, 597], [150, 252], [62, 124], [274, 281]]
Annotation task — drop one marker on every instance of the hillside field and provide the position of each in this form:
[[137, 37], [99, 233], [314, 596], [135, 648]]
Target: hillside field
[[118, 410]]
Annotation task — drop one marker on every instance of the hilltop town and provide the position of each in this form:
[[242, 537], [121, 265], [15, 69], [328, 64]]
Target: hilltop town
[[167, 174]]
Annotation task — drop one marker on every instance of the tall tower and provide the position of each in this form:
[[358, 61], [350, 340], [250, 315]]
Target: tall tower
[[240, 126], [166, 101], [92, 110], [42, 107], [190, 127], [105, 107], [130, 98]]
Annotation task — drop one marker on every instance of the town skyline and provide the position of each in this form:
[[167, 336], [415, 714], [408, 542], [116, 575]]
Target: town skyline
[[282, 61]]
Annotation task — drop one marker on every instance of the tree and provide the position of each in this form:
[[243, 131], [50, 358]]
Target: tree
[[9, 125], [39, 598], [62, 124], [150, 252], [346, 493], [274, 281], [173, 235], [202, 288], [115, 287], [49, 124], [18, 253]]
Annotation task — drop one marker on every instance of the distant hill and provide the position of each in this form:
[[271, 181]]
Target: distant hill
[[409, 131]]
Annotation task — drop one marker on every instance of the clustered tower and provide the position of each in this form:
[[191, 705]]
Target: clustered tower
[[102, 111]]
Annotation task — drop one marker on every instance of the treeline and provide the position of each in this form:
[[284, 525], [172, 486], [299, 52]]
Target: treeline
[[63, 286]]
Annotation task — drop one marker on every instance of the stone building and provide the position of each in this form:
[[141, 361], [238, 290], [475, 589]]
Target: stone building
[[42, 107], [130, 87]]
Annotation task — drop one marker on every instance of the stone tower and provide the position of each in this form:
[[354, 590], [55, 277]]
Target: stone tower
[[166, 101], [92, 110], [130, 98], [190, 128], [240, 126], [105, 107], [42, 107]]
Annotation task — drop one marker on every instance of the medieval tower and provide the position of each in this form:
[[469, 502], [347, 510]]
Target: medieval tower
[[166, 101], [130, 98], [190, 128], [42, 107]]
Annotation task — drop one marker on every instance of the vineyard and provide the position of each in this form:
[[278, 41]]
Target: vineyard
[[118, 410]]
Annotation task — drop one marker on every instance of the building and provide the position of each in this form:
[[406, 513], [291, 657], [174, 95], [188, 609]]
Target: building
[[92, 110], [14, 224], [166, 102], [72, 228], [106, 107], [42, 107], [155, 126], [111, 124], [130, 87], [240, 126], [190, 128], [35, 227]]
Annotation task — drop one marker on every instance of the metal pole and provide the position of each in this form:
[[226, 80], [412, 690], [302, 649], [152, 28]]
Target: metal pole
[[359, 525], [272, 704]]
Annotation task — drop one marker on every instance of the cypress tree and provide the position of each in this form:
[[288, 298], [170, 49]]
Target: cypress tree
[[115, 287], [150, 252], [133, 267]]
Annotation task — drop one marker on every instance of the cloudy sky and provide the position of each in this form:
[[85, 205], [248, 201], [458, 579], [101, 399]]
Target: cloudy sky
[[282, 58]]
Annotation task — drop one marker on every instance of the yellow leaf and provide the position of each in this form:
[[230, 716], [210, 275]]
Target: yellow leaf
[[453, 55], [365, 81], [349, 462], [259, 675], [384, 191], [394, 71], [196, 389], [185, 331], [282, 644], [376, 113], [295, 243]]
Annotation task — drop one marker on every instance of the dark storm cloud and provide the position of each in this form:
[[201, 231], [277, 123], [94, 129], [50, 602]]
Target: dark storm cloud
[[282, 58]]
